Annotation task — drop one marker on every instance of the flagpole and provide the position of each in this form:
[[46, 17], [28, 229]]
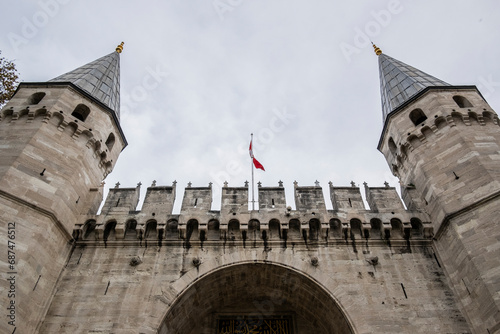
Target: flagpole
[[251, 163]]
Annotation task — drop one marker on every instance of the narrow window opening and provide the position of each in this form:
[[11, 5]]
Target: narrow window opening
[[392, 145], [81, 112], [107, 287], [417, 116], [404, 290], [110, 141], [462, 102], [38, 280], [272, 200], [118, 202], [350, 203], [36, 98], [195, 202], [437, 261]]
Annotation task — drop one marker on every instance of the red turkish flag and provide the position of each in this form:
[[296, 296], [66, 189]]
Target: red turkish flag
[[255, 162], [258, 164]]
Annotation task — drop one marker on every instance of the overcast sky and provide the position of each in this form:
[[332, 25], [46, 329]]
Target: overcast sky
[[198, 76]]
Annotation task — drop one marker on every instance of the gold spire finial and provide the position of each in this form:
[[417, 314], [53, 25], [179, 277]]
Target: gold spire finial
[[378, 52], [119, 48]]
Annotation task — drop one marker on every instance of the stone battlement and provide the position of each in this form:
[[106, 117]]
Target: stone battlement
[[385, 219]]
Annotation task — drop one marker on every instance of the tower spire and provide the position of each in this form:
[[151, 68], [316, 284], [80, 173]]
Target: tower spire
[[400, 82], [100, 79]]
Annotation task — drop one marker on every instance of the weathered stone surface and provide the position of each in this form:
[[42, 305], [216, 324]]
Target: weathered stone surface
[[343, 294]]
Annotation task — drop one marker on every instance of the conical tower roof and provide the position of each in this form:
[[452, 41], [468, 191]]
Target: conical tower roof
[[399, 82], [100, 79]]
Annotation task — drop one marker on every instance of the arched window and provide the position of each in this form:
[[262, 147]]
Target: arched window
[[416, 227], [110, 141], [417, 116], [233, 229], [335, 228], [396, 228], [171, 230], [376, 227], [151, 232], [462, 102], [36, 98], [274, 229], [294, 229], [130, 230], [191, 229], [81, 112], [356, 227], [109, 229], [314, 229], [253, 225], [213, 227]]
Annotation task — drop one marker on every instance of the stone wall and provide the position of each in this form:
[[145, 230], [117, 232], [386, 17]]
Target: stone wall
[[351, 270], [327, 288], [469, 250], [39, 249]]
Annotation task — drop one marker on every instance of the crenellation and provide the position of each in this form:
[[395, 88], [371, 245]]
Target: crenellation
[[309, 199], [235, 221], [196, 199], [383, 199], [121, 200], [346, 199], [159, 200], [272, 199]]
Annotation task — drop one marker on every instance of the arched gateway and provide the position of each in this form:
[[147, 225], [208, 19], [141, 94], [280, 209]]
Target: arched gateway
[[255, 297]]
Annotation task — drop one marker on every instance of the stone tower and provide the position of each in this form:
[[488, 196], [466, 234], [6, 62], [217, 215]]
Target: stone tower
[[442, 142], [58, 141]]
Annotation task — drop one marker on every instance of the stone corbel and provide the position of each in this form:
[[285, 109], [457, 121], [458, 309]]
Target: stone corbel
[[385, 230], [120, 231]]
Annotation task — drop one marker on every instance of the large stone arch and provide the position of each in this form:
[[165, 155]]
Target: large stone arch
[[255, 290]]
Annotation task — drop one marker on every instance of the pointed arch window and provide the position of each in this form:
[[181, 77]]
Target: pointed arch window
[[462, 102], [417, 116], [81, 112]]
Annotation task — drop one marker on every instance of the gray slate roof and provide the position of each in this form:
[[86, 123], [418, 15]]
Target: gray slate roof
[[399, 82], [100, 79]]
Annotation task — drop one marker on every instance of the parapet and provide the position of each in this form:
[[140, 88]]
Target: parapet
[[196, 200], [385, 219], [272, 198], [121, 200], [384, 199], [159, 200], [234, 200], [309, 198], [346, 198]]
